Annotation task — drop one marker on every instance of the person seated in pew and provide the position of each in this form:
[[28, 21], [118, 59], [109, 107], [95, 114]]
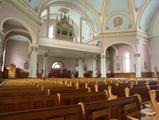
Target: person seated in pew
[[154, 103]]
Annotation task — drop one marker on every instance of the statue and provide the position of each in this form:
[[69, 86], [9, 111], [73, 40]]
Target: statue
[[155, 72]]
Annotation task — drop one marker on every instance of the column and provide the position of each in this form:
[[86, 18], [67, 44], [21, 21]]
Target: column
[[73, 32], [138, 64], [94, 62], [45, 65], [103, 65], [47, 22], [3, 59], [68, 32], [80, 67], [80, 30], [33, 62], [2, 53], [61, 28]]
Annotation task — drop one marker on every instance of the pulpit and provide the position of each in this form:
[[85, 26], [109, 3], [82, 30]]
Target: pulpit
[[11, 71]]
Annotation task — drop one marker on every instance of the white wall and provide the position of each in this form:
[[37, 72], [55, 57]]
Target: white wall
[[16, 53], [154, 43], [155, 26], [121, 48], [145, 58], [155, 54], [111, 55], [89, 63]]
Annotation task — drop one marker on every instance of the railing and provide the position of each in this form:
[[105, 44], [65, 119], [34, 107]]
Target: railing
[[55, 43]]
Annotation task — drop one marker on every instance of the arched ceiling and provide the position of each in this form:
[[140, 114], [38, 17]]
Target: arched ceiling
[[106, 15], [148, 14]]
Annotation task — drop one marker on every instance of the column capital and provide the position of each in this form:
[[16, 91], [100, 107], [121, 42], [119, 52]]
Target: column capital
[[81, 19], [46, 55], [48, 10], [1, 32], [103, 56], [137, 55], [94, 57], [34, 47], [80, 58]]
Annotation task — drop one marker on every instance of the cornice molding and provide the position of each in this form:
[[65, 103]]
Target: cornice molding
[[143, 35], [25, 9], [131, 34], [155, 38], [114, 34]]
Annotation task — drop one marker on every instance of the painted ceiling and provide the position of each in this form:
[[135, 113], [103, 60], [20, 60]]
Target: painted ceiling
[[102, 16]]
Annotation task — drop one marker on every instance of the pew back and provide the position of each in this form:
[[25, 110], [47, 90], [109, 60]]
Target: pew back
[[115, 106], [72, 112]]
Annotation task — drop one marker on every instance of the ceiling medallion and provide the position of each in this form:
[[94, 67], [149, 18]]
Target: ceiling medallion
[[118, 21]]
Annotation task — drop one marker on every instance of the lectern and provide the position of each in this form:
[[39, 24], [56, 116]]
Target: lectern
[[11, 71]]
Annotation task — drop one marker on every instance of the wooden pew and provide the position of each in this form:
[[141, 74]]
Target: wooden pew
[[142, 91], [116, 107], [27, 91], [72, 112], [117, 90], [68, 90], [73, 98], [16, 82], [110, 95], [154, 87], [22, 93], [9, 104], [102, 85], [152, 82], [17, 87]]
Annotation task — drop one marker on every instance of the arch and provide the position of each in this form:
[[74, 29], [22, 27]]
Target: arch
[[147, 14], [121, 42], [4, 44], [116, 50], [83, 12], [32, 34], [13, 58], [57, 65], [148, 48], [17, 31], [154, 22]]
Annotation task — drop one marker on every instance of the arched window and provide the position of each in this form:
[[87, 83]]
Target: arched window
[[126, 62], [57, 65], [51, 31]]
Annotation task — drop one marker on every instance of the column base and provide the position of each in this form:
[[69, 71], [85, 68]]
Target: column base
[[138, 76], [80, 77], [104, 76], [33, 77]]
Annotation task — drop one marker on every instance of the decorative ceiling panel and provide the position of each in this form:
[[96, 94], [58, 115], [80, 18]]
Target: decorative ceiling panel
[[97, 5], [118, 5]]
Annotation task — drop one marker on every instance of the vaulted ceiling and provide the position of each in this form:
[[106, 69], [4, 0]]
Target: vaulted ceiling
[[104, 15]]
